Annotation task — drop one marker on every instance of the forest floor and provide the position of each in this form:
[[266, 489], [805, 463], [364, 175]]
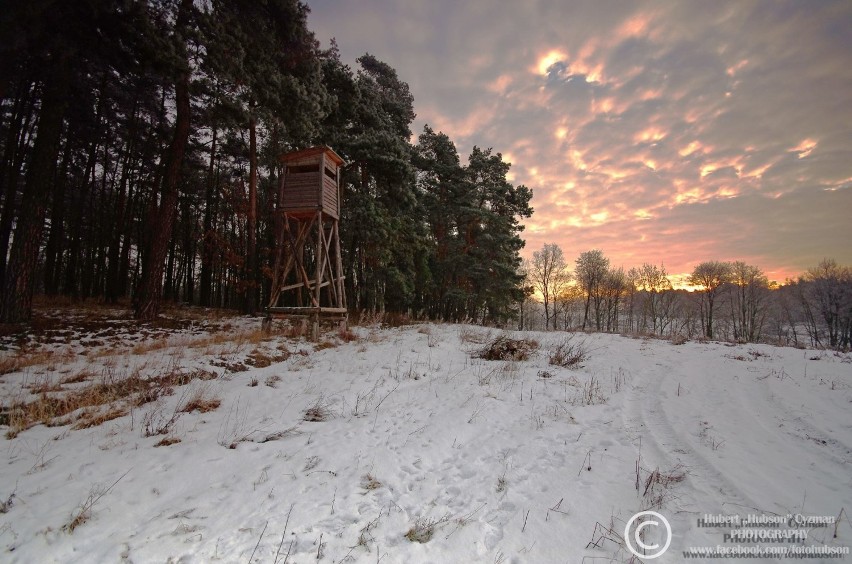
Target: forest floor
[[203, 439]]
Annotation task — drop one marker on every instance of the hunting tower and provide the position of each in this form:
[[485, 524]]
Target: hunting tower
[[307, 273]]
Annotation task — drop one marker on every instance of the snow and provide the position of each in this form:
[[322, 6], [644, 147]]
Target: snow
[[508, 461]]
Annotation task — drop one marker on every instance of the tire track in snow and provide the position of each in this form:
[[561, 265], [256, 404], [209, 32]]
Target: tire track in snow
[[645, 408]]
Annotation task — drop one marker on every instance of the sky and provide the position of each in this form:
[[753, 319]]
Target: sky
[[660, 132]]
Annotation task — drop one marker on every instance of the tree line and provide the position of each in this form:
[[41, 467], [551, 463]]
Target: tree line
[[140, 142], [731, 301]]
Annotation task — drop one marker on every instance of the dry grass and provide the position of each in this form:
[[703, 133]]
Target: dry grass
[[258, 359], [368, 319], [201, 400], [369, 482], [111, 389], [679, 339], [149, 346], [424, 529], [261, 359], [167, 441], [26, 358], [272, 381], [569, 354], [658, 484], [347, 335], [81, 376], [93, 418], [474, 335], [84, 512], [296, 331], [226, 336], [319, 411], [43, 385]]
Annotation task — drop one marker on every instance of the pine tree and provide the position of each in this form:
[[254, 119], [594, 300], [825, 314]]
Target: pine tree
[[162, 210], [382, 236], [268, 59], [495, 236]]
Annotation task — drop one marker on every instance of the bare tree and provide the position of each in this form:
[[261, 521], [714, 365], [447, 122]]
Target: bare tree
[[658, 297], [749, 300], [569, 304], [711, 276], [631, 281], [613, 288], [549, 275], [528, 291], [829, 291], [591, 268]]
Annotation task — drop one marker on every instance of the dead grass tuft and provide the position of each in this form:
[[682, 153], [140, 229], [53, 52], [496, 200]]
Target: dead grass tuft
[[679, 339], [369, 482], [201, 400], [319, 411], [658, 484], [84, 512], [424, 529], [81, 376], [167, 441], [569, 354], [95, 417], [347, 335], [229, 366], [272, 381], [258, 359]]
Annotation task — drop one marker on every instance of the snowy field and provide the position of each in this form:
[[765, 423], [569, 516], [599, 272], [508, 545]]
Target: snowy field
[[400, 445]]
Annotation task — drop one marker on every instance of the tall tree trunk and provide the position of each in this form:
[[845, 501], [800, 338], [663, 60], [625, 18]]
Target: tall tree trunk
[[207, 249], [53, 249], [189, 249], [161, 218], [251, 258], [19, 281], [112, 288]]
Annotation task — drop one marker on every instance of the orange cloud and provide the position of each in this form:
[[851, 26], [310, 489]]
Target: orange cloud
[[500, 84], [547, 60], [652, 134], [733, 70], [804, 148]]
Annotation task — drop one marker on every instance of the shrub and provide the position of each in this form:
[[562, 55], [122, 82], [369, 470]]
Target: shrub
[[504, 348]]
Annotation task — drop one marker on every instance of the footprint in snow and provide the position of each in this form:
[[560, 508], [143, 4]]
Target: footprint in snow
[[492, 537]]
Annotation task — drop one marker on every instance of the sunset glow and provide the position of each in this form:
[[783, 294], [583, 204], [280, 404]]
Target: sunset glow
[[659, 133], [548, 60]]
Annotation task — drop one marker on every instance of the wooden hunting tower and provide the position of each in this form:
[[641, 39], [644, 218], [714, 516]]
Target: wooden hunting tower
[[307, 271]]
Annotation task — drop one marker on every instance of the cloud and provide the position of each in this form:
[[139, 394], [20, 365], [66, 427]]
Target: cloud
[[656, 131]]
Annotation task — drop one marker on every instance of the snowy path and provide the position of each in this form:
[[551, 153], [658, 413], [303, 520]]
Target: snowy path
[[746, 449]]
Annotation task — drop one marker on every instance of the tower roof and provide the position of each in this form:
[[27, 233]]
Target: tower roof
[[302, 153]]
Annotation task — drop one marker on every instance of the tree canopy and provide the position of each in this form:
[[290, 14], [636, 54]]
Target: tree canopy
[[140, 146]]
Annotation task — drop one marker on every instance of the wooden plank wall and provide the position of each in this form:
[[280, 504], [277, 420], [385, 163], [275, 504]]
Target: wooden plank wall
[[305, 191]]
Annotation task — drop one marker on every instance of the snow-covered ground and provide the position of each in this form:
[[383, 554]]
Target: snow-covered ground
[[401, 446]]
